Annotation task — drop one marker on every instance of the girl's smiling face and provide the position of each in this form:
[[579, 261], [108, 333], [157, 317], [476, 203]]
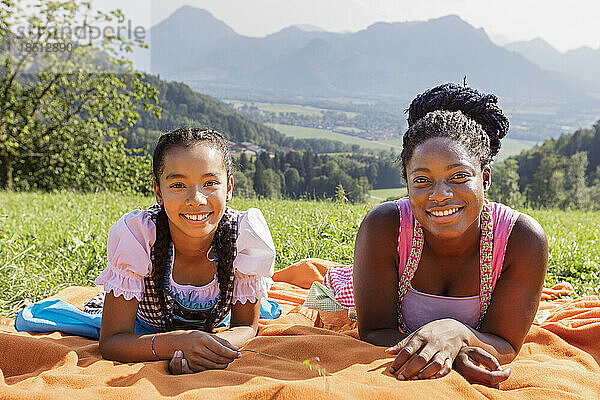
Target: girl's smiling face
[[194, 189], [445, 187]]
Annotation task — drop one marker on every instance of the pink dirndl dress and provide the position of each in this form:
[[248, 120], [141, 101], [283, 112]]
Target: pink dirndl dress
[[497, 223]]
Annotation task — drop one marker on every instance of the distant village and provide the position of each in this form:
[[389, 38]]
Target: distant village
[[359, 125], [254, 149], [245, 147]]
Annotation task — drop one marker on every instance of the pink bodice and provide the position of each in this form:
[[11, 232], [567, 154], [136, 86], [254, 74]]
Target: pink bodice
[[497, 223]]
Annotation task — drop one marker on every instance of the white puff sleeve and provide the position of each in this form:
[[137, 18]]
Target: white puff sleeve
[[129, 245], [255, 260]]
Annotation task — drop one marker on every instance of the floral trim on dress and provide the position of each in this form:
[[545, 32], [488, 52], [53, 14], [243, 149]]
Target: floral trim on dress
[[485, 264]]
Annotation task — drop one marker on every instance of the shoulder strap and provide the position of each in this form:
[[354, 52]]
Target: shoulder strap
[[405, 233], [504, 219]]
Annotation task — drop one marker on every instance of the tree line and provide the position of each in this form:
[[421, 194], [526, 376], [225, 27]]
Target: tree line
[[309, 175], [560, 173]]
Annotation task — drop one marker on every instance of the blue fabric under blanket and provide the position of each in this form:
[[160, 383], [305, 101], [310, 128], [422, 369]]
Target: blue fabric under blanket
[[58, 315]]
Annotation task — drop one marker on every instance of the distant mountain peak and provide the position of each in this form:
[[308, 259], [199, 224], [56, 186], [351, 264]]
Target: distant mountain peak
[[536, 50], [309, 28], [448, 18], [537, 42], [191, 12], [192, 17]]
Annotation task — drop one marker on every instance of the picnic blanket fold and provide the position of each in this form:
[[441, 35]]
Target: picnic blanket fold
[[559, 359]]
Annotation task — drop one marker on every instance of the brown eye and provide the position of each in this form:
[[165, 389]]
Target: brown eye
[[461, 176]]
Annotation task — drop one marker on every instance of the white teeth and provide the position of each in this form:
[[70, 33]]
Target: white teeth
[[444, 213], [195, 217]]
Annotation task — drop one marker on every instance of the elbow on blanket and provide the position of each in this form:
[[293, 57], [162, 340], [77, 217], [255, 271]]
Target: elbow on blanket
[[107, 349], [380, 337], [366, 335], [104, 349]]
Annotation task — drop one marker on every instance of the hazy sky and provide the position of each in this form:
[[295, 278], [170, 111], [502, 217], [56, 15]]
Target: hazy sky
[[565, 24]]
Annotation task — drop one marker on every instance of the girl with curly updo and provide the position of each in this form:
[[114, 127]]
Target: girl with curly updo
[[445, 277], [178, 268]]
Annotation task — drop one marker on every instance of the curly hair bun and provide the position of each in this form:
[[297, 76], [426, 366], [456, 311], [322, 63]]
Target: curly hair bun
[[482, 108]]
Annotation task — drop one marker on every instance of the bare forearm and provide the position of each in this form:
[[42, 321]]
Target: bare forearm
[[493, 344], [238, 335], [130, 347], [382, 337]]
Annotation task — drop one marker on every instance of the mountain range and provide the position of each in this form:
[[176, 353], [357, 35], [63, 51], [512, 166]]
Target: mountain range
[[582, 63], [385, 60]]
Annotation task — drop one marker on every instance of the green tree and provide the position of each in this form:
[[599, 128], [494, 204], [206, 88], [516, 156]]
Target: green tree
[[505, 183], [595, 190], [293, 182], [243, 187], [577, 193], [272, 184], [61, 111], [260, 180], [594, 154], [244, 162], [548, 186]]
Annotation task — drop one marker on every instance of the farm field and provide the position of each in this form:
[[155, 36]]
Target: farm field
[[51, 241], [301, 132], [509, 148], [288, 108], [383, 194]]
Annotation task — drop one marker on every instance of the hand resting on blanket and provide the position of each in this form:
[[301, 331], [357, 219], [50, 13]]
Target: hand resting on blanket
[[478, 366], [203, 351], [431, 351]]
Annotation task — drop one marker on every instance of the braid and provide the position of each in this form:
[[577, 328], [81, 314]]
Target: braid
[[159, 256], [459, 113], [225, 235], [186, 137], [225, 249], [483, 109]]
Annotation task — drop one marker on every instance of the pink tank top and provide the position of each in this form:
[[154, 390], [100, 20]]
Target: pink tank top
[[497, 223]]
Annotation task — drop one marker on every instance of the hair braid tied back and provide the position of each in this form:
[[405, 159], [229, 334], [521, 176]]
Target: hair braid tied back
[[459, 113], [225, 236]]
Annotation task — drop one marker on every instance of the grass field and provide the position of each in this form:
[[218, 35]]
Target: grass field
[[383, 194], [51, 241], [290, 108], [301, 132], [511, 147]]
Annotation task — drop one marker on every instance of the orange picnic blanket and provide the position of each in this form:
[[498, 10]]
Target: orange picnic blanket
[[559, 360]]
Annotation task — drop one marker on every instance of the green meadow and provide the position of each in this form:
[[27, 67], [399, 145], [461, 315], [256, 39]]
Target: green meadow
[[51, 241], [383, 194], [301, 132], [509, 148], [288, 108]]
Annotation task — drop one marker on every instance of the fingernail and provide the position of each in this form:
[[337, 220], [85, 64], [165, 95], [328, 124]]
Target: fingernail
[[400, 377], [178, 353], [239, 354]]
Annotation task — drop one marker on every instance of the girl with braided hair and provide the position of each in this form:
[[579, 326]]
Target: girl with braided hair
[[178, 268], [446, 278]]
